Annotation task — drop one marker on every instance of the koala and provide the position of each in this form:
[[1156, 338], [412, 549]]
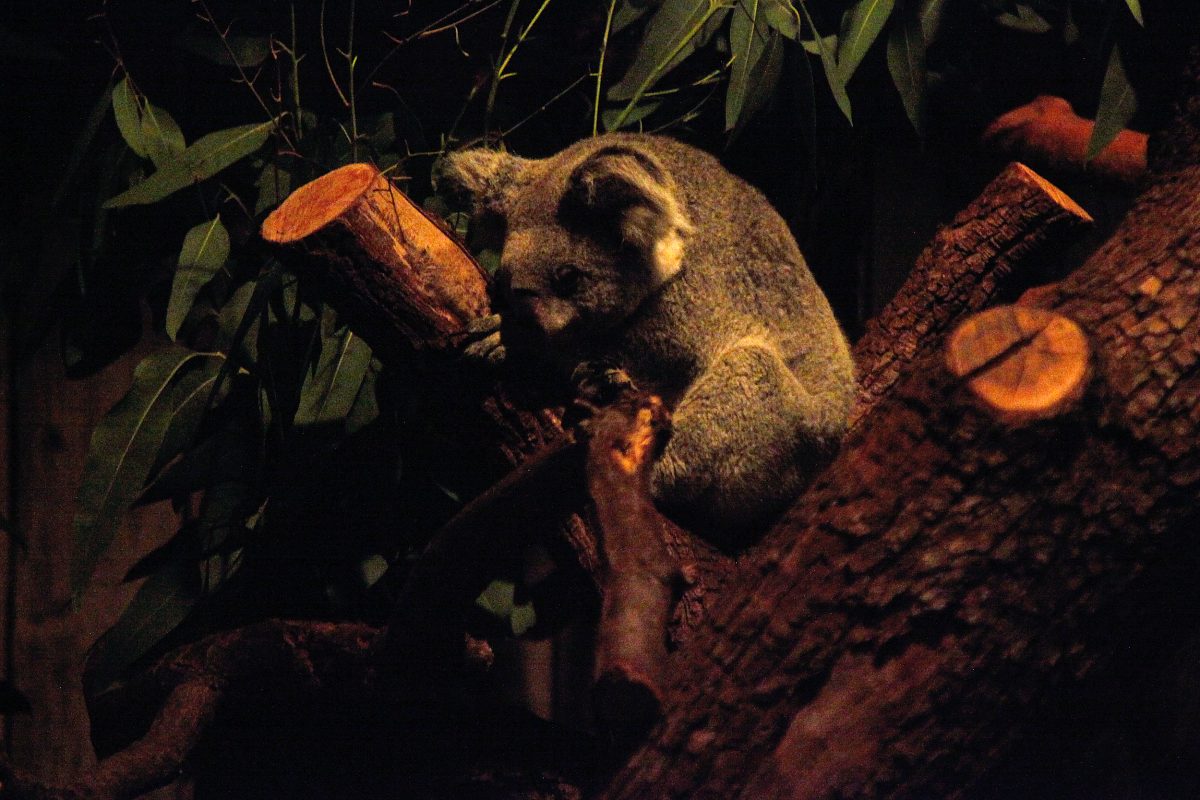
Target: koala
[[645, 253]]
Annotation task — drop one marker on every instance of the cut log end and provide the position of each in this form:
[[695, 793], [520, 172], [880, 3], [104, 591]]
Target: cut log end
[[1060, 198], [314, 205], [1021, 363]]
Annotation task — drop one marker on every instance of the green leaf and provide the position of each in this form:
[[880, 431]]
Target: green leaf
[[366, 405], [836, 84], [1135, 8], [627, 13], [747, 41], [124, 447], [331, 388], [670, 37], [861, 26], [906, 63], [767, 71], [610, 117], [206, 157], [1025, 20], [497, 598], [822, 43], [1118, 104], [522, 618], [205, 250], [245, 51], [162, 602], [931, 15], [147, 129], [782, 17], [274, 185]]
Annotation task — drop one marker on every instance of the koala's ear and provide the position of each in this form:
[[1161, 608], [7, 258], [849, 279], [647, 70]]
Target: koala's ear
[[485, 177], [630, 189]]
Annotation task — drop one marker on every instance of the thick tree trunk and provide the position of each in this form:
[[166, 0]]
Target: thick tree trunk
[[956, 562]]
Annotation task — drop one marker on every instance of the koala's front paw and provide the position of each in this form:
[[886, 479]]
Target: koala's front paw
[[597, 384], [483, 343]]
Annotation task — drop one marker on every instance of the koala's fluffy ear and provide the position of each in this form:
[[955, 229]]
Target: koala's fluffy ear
[[485, 177], [630, 189]]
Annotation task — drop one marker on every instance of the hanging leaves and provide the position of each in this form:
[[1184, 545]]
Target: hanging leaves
[[837, 84], [125, 446], [747, 41], [206, 157], [1118, 104], [906, 63], [332, 386], [205, 250], [672, 35], [1135, 8], [147, 129], [861, 25], [162, 602]]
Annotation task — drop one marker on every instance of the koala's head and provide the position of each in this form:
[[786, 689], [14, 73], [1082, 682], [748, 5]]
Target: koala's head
[[590, 232]]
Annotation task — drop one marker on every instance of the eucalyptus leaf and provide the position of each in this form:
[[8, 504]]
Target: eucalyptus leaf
[[670, 37], [906, 63], [206, 157], [837, 86], [274, 185], [365, 409], [1025, 20], [1118, 104], [124, 447], [1135, 8], [931, 14], [627, 13], [610, 117], [497, 598], [822, 43], [767, 72], [148, 130], [235, 50], [205, 250], [780, 15], [161, 603], [330, 389], [747, 40], [862, 24], [522, 618]]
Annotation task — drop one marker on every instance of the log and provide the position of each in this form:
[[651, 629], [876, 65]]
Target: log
[[1018, 215], [1023, 364], [400, 278]]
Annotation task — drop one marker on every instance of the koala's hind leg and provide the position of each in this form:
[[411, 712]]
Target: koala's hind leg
[[746, 436]]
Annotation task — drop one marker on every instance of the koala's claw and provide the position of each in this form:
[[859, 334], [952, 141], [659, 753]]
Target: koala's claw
[[597, 384], [483, 343], [600, 383]]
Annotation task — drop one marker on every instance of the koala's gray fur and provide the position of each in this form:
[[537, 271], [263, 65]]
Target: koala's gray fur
[[645, 252]]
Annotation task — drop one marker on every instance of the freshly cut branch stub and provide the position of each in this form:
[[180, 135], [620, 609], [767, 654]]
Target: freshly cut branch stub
[[1024, 363], [353, 226]]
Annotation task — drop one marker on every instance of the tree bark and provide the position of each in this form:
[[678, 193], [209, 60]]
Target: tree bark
[[953, 565], [887, 635]]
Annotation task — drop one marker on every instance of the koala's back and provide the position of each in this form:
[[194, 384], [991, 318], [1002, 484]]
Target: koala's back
[[743, 276]]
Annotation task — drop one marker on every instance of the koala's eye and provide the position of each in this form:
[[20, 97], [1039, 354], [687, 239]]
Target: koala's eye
[[566, 279]]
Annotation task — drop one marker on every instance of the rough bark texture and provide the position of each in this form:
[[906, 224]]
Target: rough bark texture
[[950, 567], [886, 637], [1018, 215]]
